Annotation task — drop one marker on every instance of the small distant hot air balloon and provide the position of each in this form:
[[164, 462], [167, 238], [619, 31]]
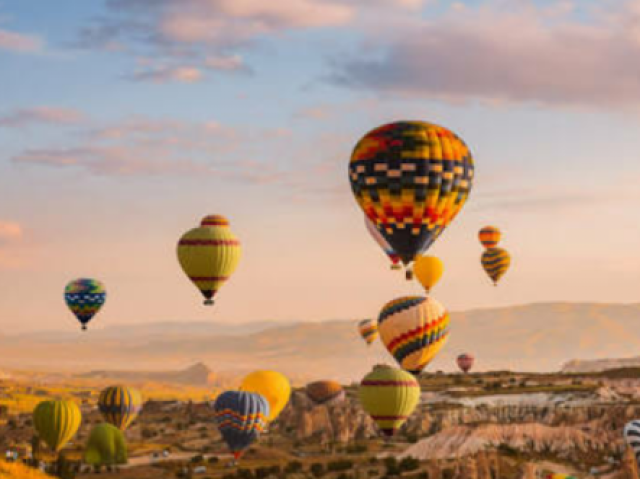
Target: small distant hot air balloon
[[241, 417], [465, 362], [325, 392], [559, 476], [631, 435], [209, 255], [496, 262], [368, 330], [383, 243], [106, 446], [85, 297], [273, 386], [389, 396], [120, 405], [489, 236], [411, 179], [413, 329], [56, 422], [428, 270]]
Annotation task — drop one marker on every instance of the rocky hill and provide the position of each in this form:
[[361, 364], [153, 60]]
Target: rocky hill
[[197, 375]]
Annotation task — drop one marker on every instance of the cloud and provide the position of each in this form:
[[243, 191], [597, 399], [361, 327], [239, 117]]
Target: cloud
[[42, 114], [180, 74], [19, 42], [499, 52]]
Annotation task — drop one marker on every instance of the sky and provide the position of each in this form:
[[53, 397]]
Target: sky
[[123, 122]]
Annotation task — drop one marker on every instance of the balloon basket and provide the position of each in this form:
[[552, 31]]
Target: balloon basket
[[409, 275], [208, 302]]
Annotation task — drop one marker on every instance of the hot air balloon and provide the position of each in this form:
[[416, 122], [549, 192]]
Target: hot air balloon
[[56, 422], [560, 476], [241, 417], [383, 243], [389, 396], [120, 405], [428, 270], [631, 435], [106, 446], [413, 329], [368, 330], [325, 392], [411, 179], [209, 255], [85, 297], [273, 386], [496, 262], [489, 236], [465, 362]]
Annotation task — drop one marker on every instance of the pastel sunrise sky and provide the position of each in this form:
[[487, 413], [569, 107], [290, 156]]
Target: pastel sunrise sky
[[123, 122]]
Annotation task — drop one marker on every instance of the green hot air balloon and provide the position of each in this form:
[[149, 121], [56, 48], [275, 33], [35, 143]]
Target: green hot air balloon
[[106, 446], [56, 422], [389, 395]]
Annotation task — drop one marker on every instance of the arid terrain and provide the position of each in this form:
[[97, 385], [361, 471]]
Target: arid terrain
[[489, 425]]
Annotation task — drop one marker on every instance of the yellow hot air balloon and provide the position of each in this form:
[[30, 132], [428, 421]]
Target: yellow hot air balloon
[[120, 405], [413, 329], [496, 262], [489, 236], [209, 255], [56, 422], [428, 270], [389, 395], [368, 329], [273, 386]]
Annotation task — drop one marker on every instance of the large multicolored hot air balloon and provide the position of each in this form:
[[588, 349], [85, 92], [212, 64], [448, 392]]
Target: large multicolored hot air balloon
[[85, 297], [120, 405], [631, 435], [383, 243], [428, 270], [241, 417], [273, 386], [465, 362], [389, 396], [489, 236], [411, 179], [496, 262], [325, 392], [413, 329], [209, 255], [368, 329], [56, 422], [106, 446]]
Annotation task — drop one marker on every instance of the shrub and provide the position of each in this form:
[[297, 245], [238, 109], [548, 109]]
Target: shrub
[[409, 464], [317, 469], [339, 465]]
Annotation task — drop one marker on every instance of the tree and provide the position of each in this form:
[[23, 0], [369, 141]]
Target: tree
[[317, 469]]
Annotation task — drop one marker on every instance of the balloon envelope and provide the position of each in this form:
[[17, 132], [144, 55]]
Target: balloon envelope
[[241, 417], [489, 236], [56, 422], [496, 262], [428, 270], [85, 297], [465, 362], [368, 329], [631, 435], [106, 446], [413, 329], [273, 386], [383, 243], [390, 396], [325, 392], [411, 179], [120, 405], [209, 255]]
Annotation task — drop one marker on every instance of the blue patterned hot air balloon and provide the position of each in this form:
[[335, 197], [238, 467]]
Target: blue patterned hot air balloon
[[84, 298], [241, 417]]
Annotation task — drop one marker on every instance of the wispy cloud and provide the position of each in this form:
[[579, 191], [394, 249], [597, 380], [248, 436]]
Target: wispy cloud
[[505, 52], [180, 74], [20, 42], [42, 114], [10, 231]]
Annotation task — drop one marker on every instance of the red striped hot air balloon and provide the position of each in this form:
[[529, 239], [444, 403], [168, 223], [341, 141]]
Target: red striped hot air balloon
[[465, 362], [489, 236]]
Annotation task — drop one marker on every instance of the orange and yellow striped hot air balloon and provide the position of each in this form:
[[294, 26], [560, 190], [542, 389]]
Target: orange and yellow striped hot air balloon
[[489, 236], [413, 329], [496, 262], [368, 329], [209, 255]]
